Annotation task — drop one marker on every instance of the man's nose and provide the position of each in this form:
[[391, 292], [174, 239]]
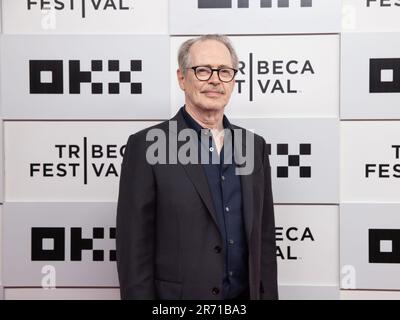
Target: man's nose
[[214, 77]]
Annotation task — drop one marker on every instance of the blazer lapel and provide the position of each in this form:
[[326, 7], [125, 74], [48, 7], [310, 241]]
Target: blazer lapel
[[247, 198], [247, 189], [196, 173], [199, 180]]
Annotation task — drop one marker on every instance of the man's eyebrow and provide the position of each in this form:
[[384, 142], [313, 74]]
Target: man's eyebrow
[[220, 66], [224, 66]]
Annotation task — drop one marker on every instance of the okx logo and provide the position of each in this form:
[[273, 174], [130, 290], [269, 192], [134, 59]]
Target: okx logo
[[292, 160], [384, 75], [259, 76], [382, 3], [47, 77], [49, 244], [384, 245], [226, 4]]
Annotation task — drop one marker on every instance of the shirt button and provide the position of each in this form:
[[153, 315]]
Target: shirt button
[[230, 273], [231, 241], [211, 149], [223, 178], [227, 209], [217, 249], [215, 291]]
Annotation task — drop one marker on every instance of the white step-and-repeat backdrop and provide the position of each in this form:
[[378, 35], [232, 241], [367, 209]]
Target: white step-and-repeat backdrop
[[320, 80]]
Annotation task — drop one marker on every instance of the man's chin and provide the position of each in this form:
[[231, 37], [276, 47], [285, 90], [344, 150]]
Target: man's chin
[[214, 103], [213, 106]]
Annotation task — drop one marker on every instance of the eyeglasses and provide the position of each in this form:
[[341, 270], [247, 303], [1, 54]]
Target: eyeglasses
[[203, 73]]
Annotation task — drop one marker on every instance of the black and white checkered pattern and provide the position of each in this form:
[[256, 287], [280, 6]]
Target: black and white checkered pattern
[[282, 149]]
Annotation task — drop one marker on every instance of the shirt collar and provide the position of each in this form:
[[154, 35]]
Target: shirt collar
[[193, 124]]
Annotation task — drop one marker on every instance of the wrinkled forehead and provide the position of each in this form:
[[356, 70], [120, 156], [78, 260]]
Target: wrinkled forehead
[[210, 53]]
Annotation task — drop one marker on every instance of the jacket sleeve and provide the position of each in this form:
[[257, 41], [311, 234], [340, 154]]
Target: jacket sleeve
[[136, 223], [269, 285]]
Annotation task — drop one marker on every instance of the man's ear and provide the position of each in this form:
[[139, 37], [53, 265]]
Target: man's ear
[[181, 79]]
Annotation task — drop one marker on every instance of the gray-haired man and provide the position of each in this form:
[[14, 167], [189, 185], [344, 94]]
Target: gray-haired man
[[197, 229]]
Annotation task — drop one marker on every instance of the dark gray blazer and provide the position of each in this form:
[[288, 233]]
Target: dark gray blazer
[[168, 242]]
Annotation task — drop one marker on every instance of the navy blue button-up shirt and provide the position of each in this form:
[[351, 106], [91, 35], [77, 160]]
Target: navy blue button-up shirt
[[225, 187]]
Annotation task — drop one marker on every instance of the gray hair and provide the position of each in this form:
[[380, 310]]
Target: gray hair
[[183, 53]]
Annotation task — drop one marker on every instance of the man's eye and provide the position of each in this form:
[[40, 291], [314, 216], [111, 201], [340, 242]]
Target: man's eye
[[203, 70], [225, 72]]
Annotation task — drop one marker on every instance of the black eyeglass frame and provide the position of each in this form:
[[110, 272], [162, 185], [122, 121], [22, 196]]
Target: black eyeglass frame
[[212, 72]]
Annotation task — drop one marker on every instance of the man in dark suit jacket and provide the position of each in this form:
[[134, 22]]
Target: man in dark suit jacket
[[200, 229]]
